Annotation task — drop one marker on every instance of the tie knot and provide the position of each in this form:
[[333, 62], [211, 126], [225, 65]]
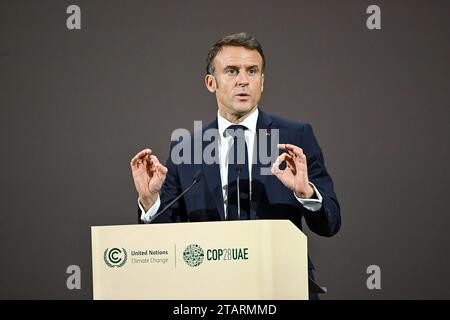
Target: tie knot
[[236, 130]]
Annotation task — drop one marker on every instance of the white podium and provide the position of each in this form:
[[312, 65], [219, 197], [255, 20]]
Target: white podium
[[230, 260]]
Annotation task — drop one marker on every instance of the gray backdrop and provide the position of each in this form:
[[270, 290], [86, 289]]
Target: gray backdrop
[[77, 105]]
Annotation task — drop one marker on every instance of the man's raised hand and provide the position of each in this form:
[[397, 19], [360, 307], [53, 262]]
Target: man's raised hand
[[148, 175], [295, 175]]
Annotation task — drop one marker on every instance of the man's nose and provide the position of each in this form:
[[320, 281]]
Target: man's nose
[[242, 79]]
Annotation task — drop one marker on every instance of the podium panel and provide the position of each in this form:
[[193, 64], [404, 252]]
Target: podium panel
[[228, 260]]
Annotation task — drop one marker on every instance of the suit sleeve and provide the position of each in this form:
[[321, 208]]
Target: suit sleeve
[[327, 221], [169, 191]]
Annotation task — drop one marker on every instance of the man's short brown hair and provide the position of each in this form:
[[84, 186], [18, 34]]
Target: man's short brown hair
[[237, 40]]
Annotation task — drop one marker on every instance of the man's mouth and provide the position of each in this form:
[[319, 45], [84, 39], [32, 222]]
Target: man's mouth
[[242, 96]]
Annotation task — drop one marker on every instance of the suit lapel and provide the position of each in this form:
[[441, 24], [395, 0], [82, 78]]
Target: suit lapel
[[263, 132], [212, 174]]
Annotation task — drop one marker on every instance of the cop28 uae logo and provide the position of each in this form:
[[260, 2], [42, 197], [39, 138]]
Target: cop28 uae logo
[[115, 257], [193, 255]]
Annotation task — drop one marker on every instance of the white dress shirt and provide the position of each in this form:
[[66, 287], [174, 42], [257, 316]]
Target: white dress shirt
[[224, 145]]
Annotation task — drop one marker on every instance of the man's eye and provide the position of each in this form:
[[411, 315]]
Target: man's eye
[[231, 71], [252, 72]]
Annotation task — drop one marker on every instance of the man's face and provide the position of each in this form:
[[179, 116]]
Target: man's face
[[237, 81]]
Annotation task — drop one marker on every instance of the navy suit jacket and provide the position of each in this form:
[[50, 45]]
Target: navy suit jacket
[[270, 198]]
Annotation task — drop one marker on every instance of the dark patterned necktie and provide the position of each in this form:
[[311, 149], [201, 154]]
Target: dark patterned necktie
[[238, 160]]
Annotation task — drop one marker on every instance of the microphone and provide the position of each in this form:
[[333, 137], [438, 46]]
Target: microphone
[[195, 179], [238, 169]]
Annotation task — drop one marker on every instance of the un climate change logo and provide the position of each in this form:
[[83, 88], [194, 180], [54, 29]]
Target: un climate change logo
[[115, 257], [193, 255]]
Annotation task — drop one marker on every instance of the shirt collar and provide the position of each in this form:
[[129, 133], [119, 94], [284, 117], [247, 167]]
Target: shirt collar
[[249, 122]]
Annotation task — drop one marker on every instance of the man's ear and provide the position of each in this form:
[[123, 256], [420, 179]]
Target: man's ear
[[210, 83]]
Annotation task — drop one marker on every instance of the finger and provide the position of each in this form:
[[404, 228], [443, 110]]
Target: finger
[[140, 156], [275, 170], [290, 152], [290, 161], [299, 157], [293, 148], [289, 158], [276, 166], [154, 160], [285, 147], [162, 169], [303, 158], [155, 165]]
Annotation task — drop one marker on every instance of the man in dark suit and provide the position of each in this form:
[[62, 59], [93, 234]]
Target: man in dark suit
[[298, 186]]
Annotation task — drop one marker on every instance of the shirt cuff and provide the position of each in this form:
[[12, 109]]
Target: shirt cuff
[[311, 204], [147, 216]]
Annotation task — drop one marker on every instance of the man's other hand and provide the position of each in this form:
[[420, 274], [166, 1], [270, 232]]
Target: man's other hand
[[148, 175], [295, 175]]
